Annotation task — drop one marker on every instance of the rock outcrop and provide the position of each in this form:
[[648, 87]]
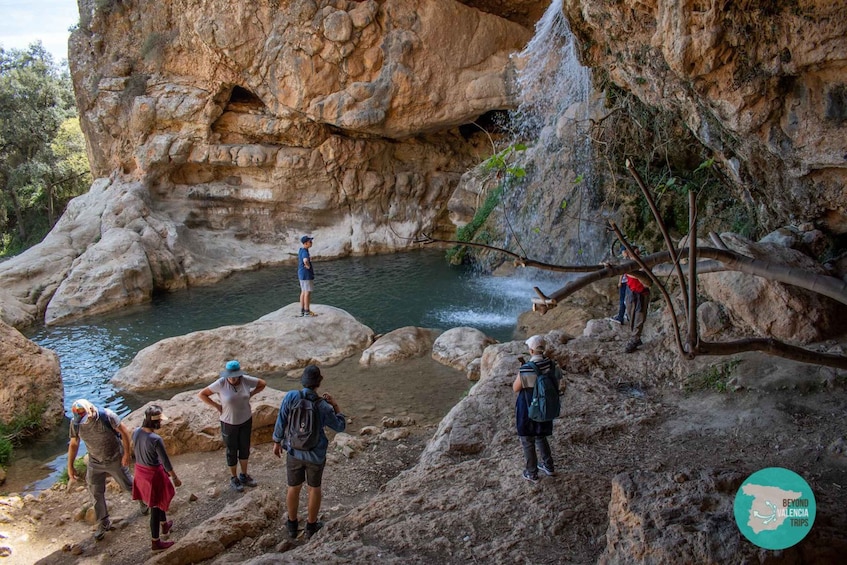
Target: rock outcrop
[[760, 83], [194, 426], [461, 348], [397, 345], [771, 308], [32, 380], [279, 341]]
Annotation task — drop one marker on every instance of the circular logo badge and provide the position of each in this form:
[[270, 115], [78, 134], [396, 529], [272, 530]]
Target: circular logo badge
[[774, 508]]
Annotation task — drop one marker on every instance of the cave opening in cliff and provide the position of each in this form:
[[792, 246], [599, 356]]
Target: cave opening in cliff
[[494, 121], [244, 99]]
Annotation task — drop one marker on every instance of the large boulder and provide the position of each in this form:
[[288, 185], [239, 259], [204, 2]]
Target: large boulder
[[772, 308], [32, 380], [279, 341], [194, 426], [397, 345], [248, 517], [697, 527], [460, 347]]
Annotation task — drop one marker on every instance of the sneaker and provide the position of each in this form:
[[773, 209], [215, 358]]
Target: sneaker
[[292, 528], [236, 484], [102, 528], [159, 545], [145, 510], [531, 477], [312, 529], [167, 527], [616, 320], [308, 313], [632, 345], [246, 480], [547, 470]]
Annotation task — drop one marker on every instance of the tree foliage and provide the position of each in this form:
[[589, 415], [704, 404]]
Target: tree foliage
[[42, 150]]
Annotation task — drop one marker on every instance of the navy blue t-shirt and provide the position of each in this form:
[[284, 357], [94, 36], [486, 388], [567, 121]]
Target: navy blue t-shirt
[[303, 273]]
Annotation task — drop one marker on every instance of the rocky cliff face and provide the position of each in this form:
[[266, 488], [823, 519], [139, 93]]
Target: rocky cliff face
[[222, 132], [226, 131], [762, 84]]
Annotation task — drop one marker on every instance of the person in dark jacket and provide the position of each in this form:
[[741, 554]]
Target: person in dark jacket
[[309, 465], [533, 435]]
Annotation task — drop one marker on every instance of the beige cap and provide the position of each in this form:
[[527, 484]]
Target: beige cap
[[536, 343]]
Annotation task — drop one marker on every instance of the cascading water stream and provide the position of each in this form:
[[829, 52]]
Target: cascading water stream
[[555, 94]]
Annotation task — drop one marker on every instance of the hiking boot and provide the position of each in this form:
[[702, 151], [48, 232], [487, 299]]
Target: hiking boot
[[547, 470], [167, 527], [145, 510], [246, 480], [102, 528], [312, 529], [631, 345], [531, 477], [235, 484], [292, 528], [616, 320], [159, 545]]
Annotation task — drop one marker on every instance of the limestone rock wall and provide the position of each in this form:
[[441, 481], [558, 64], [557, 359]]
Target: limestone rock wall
[[31, 380], [228, 130], [762, 83]]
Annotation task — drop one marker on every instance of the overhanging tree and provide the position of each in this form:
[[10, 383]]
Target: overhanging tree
[[685, 324]]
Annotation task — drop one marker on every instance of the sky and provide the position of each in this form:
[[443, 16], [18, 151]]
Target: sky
[[25, 21]]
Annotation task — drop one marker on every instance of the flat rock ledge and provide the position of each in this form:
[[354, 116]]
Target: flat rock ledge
[[280, 341]]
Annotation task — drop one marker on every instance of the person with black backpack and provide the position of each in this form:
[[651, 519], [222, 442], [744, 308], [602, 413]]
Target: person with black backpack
[[300, 432], [537, 405]]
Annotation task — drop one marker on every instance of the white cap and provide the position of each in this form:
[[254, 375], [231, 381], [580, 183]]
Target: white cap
[[536, 343]]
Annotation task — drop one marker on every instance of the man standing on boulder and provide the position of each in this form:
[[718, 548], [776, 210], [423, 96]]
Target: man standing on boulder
[[107, 441], [306, 274], [305, 464]]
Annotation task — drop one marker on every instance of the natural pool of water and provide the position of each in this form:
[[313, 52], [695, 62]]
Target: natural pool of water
[[383, 292]]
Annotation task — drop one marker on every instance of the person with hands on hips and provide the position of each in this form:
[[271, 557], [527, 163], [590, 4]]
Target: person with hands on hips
[[234, 390]]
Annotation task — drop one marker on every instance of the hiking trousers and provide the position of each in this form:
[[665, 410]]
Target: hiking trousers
[[95, 476], [532, 443], [636, 309]]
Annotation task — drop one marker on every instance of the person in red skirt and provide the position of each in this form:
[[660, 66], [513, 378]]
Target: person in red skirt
[[152, 468]]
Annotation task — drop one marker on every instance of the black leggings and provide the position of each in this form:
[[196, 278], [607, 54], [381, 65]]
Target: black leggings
[[157, 516], [237, 441]]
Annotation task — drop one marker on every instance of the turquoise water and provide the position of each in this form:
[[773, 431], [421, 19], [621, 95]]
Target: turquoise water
[[383, 292]]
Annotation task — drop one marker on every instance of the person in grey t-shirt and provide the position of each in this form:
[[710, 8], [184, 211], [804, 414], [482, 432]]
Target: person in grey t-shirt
[[107, 441], [234, 390]]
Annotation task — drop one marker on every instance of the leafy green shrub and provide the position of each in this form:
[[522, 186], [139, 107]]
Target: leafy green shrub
[[5, 451], [713, 378], [79, 467], [21, 426]]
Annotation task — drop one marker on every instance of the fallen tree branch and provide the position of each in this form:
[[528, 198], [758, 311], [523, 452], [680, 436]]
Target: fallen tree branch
[[772, 347]]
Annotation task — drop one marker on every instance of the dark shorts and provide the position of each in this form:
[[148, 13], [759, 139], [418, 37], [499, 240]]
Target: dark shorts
[[298, 470]]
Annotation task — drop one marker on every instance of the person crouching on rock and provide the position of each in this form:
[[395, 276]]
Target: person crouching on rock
[[152, 467]]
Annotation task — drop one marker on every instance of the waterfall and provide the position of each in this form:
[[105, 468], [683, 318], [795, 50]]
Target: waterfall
[[553, 119], [552, 79]]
